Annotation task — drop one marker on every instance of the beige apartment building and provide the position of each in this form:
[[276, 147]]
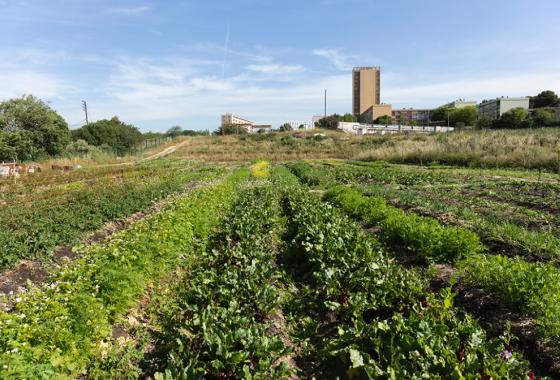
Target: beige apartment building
[[420, 116], [366, 94], [230, 119]]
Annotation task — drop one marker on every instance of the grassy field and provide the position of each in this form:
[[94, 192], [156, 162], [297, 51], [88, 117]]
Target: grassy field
[[314, 263]]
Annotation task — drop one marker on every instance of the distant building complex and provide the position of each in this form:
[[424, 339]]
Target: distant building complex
[[418, 116], [460, 103], [247, 125], [495, 108]]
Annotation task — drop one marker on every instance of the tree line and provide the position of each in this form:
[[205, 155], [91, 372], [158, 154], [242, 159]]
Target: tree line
[[542, 114], [30, 129]]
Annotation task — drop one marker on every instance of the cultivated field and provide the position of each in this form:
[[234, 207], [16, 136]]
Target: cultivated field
[[214, 263]]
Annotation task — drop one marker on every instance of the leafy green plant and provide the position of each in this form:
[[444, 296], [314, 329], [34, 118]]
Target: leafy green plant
[[57, 329], [388, 325], [421, 235]]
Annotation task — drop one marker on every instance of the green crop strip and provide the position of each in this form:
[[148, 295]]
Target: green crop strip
[[388, 325], [32, 229], [533, 288], [423, 236], [539, 244], [219, 325], [56, 330]]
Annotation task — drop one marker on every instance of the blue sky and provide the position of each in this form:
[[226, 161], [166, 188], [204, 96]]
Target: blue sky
[[161, 63]]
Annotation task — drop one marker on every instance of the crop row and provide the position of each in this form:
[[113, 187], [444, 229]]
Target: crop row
[[491, 224], [530, 287], [33, 229], [57, 329], [387, 324], [424, 236], [220, 322], [492, 229]]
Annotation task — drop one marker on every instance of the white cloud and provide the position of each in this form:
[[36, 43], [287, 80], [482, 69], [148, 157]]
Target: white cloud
[[132, 10], [275, 69], [335, 57], [20, 82]]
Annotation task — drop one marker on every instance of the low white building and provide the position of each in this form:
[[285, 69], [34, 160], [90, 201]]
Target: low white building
[[369, 129]]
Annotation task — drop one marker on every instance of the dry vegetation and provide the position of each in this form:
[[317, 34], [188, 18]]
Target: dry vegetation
[[528, 149]]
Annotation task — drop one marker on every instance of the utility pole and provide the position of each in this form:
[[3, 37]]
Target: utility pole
[[325, 103], [84, 106]]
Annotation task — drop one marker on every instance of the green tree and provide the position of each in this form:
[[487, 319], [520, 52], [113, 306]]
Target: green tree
[[545, 99], [484, 123], [440, 114], [231, 129], [174, 131], [16, 146], [285, 127], [46, 129], [349, 118], [329, 122], [466, 115], [544, 117], [384, 120], [514, 118], [118, 136]]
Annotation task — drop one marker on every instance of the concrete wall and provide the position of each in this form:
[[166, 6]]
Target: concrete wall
[[509, 104], [368, 129]]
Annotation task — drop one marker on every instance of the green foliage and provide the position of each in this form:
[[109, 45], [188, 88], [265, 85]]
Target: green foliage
[[385, 120], [532, 287], [174, 131], [544, 117], [221, 323], [387, 324], [484, 123], [467, 115], [545, 99], [119, 136], [305, 173], [56, 330], [514, 118], [331, 122], [17, 146], [423, 236], [285, 127], [38, 129], [232, 129], [33, 229], [441, 114]]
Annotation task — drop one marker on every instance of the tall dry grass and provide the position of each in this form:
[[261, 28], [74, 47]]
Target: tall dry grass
[[529, 149]]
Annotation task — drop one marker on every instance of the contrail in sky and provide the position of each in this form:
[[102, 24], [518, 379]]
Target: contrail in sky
[[226, 47]]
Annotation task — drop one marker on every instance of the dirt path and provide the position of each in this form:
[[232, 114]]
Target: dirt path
[[167, 151]]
